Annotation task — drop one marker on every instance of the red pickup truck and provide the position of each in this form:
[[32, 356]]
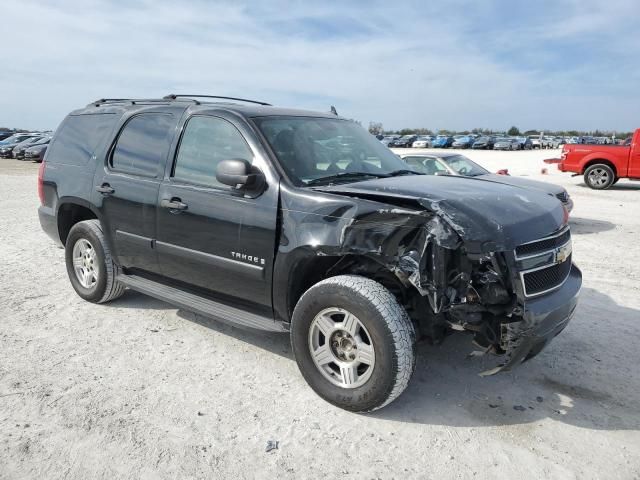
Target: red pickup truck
[[603, 165]]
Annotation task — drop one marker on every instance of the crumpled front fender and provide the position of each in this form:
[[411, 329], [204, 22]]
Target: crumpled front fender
[[543, 318]]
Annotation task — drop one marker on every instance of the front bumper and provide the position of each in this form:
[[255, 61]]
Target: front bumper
[[544, 317], [569, 205]]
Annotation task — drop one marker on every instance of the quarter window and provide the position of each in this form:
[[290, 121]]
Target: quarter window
[[78, 137], [143, 144], [207, 141]]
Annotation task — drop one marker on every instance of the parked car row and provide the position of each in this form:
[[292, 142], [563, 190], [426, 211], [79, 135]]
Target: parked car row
[[25, 146], [487, 142]]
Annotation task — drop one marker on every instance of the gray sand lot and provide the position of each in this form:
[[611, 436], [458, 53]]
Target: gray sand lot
[[139, 389]]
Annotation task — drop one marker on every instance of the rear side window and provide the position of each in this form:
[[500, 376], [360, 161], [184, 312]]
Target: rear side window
[[143, 144], [207, 141], [78, 137]]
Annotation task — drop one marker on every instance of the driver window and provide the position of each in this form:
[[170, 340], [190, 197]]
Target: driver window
[[207, 141]]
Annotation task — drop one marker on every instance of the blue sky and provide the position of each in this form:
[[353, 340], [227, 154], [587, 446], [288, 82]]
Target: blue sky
[[563, 64]]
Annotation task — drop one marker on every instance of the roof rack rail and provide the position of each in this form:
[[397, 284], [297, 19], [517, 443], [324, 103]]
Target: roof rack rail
[[173, 96], [133, 101]]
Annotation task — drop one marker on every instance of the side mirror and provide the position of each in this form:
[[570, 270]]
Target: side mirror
[[240, 175]]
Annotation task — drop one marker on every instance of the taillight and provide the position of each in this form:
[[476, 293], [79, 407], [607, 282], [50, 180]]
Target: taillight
[[41, 182]]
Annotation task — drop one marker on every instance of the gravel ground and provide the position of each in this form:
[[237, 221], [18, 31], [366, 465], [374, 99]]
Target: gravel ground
[[139, 389]]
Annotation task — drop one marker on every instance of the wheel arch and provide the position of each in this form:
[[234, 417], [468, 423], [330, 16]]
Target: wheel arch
[[311, 270], [71, 210], [599, 160]]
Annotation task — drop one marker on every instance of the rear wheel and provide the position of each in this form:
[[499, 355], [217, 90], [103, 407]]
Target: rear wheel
[[353, 342], [599, 176], [89, 264]]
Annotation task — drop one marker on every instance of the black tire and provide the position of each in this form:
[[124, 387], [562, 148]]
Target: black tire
[[599, 176], [106, 287], [391, 332]]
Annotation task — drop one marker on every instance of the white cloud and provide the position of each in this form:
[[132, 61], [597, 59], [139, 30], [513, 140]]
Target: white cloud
[[404, 65]]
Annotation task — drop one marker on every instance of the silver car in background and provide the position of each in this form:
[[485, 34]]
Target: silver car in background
[[459, 165], [506, 144]]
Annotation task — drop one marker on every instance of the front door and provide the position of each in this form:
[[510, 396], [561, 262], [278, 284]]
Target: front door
[[126, 189], [209, 237]]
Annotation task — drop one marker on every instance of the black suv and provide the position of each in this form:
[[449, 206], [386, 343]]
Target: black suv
[[405, 141], [287, 220]]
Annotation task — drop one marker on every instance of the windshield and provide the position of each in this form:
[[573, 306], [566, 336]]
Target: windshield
[[42, 141], [14, 139], [464, 166], [310, 149], [29, 141]]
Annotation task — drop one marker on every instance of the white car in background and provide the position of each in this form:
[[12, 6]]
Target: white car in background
[[535, 141], [423, 141]]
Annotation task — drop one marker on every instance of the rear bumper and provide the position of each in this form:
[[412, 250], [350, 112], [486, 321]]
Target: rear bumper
[[49, 224], [544, 317]]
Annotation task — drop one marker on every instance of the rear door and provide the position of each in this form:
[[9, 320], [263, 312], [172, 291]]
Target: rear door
[[126, 189], [215, 240]]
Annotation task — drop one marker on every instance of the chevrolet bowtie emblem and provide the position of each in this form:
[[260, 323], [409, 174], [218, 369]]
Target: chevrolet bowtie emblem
[[562, 253]]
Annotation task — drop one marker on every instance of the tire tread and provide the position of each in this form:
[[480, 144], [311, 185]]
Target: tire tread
[[398, 321], [114, 289]]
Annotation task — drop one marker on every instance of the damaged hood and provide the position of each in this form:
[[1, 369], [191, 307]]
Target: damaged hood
[[545, 187], [488, 216]]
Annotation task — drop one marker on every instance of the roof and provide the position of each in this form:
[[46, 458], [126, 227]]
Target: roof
[[247, 108]]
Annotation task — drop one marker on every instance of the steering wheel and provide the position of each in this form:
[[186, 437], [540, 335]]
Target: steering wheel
[[463, 171]]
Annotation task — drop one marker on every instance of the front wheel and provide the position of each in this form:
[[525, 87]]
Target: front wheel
[[599, 176], [353, 342]]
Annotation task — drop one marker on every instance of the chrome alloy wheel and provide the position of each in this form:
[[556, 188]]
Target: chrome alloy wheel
[[341, 348], [598, 177], [85, 263]]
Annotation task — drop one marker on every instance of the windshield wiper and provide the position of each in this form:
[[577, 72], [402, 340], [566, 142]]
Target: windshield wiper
[[344, 176], [397, 173]]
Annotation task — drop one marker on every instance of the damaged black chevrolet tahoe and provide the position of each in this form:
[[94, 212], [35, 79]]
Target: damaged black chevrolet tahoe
[[286, 220]]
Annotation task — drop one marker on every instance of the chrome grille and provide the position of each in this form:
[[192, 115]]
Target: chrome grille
[[547, 278], [544, 264], [544, 244]]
